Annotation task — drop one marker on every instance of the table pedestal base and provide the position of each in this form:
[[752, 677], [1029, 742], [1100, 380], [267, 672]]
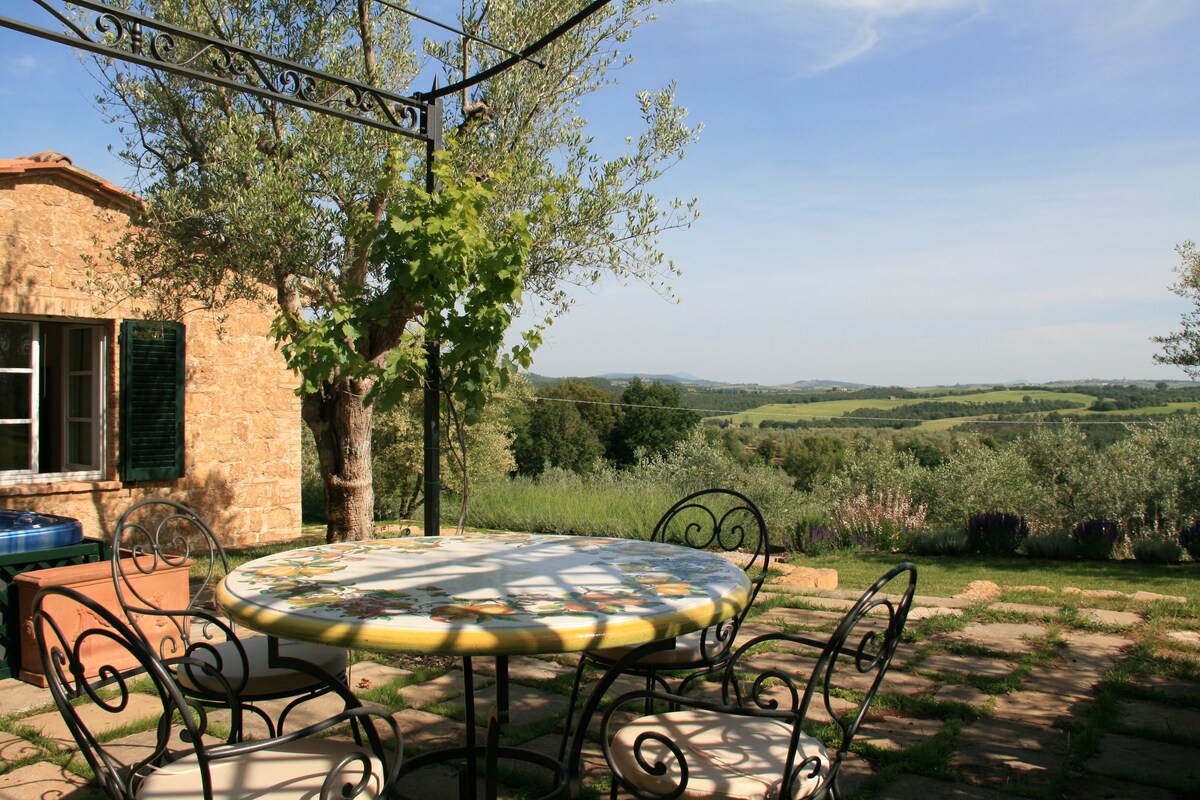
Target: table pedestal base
[[492, 752]]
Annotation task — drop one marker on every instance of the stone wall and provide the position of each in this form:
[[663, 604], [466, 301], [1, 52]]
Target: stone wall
[[242, 424]]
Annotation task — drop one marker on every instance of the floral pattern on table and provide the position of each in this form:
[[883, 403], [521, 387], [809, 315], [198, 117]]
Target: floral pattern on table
[[636, 576]]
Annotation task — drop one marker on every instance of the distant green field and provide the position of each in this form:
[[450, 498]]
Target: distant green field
[[830, 409], [1166, 408]]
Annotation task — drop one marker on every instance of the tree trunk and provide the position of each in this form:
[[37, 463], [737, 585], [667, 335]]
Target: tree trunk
[[341, 426]]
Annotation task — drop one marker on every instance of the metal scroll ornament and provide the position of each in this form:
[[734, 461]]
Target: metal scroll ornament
[[141, 40]]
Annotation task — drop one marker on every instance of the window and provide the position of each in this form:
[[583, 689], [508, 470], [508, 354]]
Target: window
[[51, 400]]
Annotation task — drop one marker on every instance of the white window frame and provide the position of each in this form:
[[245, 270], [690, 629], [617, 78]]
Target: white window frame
[[98, 419]]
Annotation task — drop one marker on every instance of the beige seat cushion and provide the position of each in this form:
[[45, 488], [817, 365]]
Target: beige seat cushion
[[292, 771], [264, 680], [728, 756], [687, 651]]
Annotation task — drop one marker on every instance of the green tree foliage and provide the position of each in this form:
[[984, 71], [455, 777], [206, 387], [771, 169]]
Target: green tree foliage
[[397, 451], [1182, 348], [813, 459], [247, 199], [652, 421], [557, 435], [570, 427], [976, 478]]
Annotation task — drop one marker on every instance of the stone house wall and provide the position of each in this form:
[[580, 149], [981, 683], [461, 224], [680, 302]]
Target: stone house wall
[[242, 423]]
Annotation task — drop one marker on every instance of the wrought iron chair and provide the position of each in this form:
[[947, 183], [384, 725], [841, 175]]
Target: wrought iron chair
[[157, 534], [752, 744], [711, 519], [102, 669]]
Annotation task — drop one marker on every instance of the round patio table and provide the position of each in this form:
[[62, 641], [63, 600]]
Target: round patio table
[[485, 595]]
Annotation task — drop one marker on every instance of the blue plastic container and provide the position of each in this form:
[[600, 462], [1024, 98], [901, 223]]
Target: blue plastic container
[[27, 531]]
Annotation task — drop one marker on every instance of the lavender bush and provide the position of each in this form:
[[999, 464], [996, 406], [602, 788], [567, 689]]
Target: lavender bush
[[1097, 538]]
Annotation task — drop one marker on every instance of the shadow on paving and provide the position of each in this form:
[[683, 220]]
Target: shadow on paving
[[972, 710]]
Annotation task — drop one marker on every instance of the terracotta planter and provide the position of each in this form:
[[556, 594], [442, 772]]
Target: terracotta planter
[[166, 587]]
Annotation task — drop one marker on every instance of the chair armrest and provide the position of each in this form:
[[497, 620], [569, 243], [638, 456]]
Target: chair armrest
[[361, 717], [678, 701]]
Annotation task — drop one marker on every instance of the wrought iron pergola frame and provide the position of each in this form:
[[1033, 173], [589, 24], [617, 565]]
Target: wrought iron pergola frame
[[124, 35]]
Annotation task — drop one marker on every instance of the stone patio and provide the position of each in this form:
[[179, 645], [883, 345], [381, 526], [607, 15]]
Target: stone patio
[[1001, 707]]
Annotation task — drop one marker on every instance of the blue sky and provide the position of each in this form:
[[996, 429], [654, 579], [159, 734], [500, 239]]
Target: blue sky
[[891, 191]]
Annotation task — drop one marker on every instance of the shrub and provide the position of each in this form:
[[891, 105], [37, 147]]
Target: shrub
[[996, 533], [952, 542], [880, 521], [1057, 546], [1097, 538], [818, 541], [1189, 539], [1158, 551], [808, 521]]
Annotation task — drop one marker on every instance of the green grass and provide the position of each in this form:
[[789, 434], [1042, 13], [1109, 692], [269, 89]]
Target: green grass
[[947, 576], [588, 508]]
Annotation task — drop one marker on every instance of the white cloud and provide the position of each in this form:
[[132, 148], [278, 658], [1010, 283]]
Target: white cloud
[[25, 63], [826, 34]]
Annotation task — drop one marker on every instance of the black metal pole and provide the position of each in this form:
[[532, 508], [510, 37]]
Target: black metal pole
[[431, 123]]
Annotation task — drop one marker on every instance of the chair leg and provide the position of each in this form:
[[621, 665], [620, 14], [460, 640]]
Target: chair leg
[[566, 735]]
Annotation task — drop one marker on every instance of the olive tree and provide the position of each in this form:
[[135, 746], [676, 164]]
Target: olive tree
[[246, 199], [1182, 348]]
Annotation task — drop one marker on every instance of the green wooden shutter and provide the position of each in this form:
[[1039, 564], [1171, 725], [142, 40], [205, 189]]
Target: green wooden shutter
[[151, 400]]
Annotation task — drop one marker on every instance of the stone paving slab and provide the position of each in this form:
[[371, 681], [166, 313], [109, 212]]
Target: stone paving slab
[[138, 746], [17, 697], [523, 669], [1186, 638], [829, 602], [1123, 619], [435, 782], [422, 731], [1046, 612], [1173, 720], [1156, 762], [1039, 708], [966, 695], [1096, 650], [45, 781], [1005, 637], [911, 684], [966, 665], [311, 711], [1097, 787], [807, 618], [918, 614], [897, 733], [1010, 753], [441, 688], [924, 601], [142, 707], [370, 675], [525, 704], [1074, 682], [1173, 686], [14, 748], [912, 787]]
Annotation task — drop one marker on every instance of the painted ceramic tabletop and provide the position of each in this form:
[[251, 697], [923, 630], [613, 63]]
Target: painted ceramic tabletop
[[484, 594]]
